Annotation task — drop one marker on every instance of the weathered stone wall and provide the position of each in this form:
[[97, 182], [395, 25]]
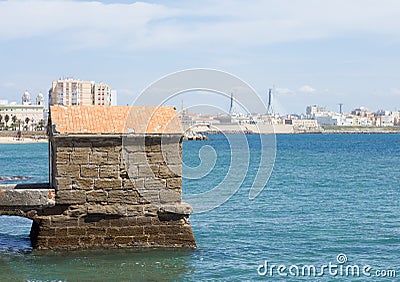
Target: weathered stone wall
[[115, 191]]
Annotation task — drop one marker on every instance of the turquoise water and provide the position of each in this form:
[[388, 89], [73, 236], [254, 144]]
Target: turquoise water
[[327, 195]]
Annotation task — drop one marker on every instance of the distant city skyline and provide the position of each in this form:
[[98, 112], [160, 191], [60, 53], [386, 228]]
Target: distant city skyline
[[314, 52]]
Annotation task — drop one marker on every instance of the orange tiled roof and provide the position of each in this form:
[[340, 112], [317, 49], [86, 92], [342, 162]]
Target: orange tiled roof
[[115, 119]]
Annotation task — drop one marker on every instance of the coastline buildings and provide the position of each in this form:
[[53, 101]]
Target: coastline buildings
[[358, 117], [25, 115], [75, 92]]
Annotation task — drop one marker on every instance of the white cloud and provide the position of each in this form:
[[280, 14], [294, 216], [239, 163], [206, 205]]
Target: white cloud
[[283, 91], [307, 89], [141, 25]]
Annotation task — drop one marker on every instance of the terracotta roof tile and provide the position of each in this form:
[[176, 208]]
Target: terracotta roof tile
[[115, 119]]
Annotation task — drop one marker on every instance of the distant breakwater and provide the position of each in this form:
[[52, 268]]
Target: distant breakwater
[[15, 177]]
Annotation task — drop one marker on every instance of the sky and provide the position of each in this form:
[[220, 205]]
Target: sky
[[311, 51]]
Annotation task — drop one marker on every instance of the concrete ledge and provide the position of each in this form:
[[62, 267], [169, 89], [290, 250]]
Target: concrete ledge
[[26, 196]]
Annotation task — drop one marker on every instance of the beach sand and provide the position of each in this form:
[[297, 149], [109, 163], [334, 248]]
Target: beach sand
[[25, 140]]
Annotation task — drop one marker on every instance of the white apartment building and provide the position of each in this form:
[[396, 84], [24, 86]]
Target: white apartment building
[[102, 94], [71, 92]]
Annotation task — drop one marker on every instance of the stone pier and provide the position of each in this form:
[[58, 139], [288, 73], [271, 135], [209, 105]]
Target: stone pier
[[114, 182]]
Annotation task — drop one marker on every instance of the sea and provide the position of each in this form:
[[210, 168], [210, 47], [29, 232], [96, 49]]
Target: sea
[[329, 211]]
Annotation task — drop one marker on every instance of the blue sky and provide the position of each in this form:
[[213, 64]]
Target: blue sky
[[323, 52]]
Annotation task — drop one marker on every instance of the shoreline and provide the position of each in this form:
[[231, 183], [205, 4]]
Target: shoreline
[[25, 140], [327, 132]]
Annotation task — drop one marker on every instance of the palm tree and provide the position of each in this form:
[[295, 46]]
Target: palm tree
[[6, 119], [27, 120], [1, 119], [41, 124], [14, 120]]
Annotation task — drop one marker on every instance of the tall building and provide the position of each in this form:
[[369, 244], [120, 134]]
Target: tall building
[[102, 94], [71, 92], [315, 110]]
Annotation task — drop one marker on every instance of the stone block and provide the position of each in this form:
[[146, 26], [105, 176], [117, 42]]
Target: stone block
[[96, 196], [151, 230], [62, 147], [115, 196], [87, 241], [174, 183], [90, 171], [113, 157], [152, 141], [145, 171], [62, 157], [156, 240], [149, 196], [70, 170], [47, 232], [150, 210], [169, 171], [109, 171], [63, 242], [139, 183], [170, 196], [77, 210], [116, 209], [80, 158], [173, 157], [145, 220], [63, 221], [125, 231], [151, 183], [70, 197], [131, 146], [76, 231], [96, 209], [98, 157], [137, 158], [178, 208], [96, 231], [108, 183], [155, 157], [131, 197], [123, 241], [83, 183], [133, 171], [134, 210], [153, 148], [64, 183], [121, 196], [123, 221], [62, 231], [170, 229]]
